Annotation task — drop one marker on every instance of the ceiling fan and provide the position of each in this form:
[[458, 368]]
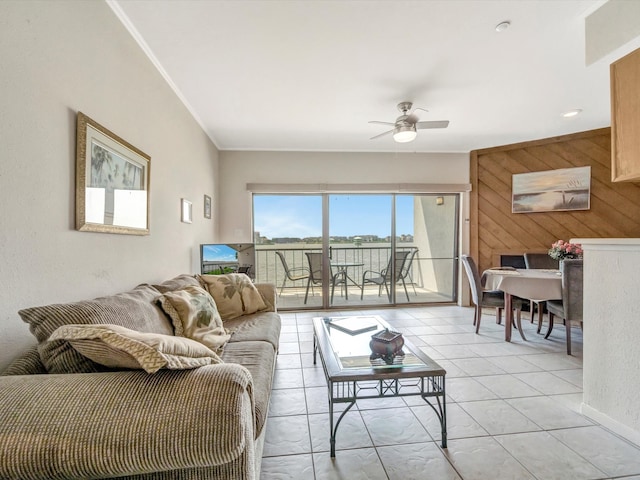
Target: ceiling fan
[[405, 126]]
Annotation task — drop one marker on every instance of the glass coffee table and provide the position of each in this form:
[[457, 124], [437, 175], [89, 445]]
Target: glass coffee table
[[354, 373]]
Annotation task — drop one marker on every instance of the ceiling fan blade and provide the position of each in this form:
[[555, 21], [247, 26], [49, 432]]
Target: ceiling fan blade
[[413, 116], [382, 123], [383, 133], [433, 124]]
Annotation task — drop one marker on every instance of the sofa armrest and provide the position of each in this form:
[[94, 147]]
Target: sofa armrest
[[98, 425], [268, 292]]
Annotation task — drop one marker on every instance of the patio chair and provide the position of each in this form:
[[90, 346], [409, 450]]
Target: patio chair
[[539, 260], [383, 278], [407, 272], [486, 298], [293, 274], [315, 274], [570, 307]]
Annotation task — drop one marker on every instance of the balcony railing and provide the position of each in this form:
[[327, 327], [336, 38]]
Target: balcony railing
[[269, 267]]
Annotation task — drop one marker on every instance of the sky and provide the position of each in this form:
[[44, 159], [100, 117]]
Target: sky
[[349, 215]]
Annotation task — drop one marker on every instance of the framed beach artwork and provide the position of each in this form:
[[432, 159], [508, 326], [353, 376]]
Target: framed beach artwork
[[558, 190], [112, 182]]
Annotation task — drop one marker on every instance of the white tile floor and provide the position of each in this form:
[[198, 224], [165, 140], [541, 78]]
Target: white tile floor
[[512, 410]]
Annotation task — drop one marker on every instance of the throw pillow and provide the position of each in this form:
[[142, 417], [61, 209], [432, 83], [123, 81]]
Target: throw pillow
[[135, 309], [176, 283], [194, 315], [234, 294], [119, 347]]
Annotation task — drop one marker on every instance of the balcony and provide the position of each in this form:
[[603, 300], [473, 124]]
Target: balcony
[[429, 280]]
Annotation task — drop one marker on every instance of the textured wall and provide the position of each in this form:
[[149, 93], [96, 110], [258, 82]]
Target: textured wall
[[614, 212], [611, 332], [59, 58]]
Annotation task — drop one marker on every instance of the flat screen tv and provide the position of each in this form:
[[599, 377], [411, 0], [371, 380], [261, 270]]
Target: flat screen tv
[[221, 258]]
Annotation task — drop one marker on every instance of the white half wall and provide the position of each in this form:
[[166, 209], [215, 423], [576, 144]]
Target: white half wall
[[611, 333], [59, 58]]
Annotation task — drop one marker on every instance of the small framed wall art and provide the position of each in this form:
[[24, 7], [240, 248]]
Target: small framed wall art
[[186, 215], [112, 182], [207, 206]]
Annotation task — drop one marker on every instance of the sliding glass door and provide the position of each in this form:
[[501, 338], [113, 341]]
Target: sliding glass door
[[428, 227], [288, 235], [357, 250]]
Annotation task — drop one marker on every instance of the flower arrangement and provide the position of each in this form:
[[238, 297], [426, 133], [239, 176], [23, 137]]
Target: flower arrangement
[[561, 250]]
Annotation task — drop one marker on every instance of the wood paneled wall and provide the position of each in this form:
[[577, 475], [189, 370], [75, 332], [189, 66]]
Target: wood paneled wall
[[614, 212]]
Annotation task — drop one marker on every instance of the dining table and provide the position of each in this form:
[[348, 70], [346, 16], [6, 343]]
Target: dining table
[[530, 283]]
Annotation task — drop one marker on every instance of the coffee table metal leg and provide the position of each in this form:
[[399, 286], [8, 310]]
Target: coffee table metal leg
[[315, 348], [333, 430], [441, 410]]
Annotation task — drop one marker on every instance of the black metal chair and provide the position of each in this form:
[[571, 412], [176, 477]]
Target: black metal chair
[[543, 261], [406, 272], [486, 298], [292, 274], [315, 274], [383, 278], [570, 307]]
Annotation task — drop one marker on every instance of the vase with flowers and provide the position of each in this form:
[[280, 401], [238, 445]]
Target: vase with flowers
[[562, 250]]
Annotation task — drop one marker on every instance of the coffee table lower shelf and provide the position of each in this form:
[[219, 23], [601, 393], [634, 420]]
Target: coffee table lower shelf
[[381, 383]]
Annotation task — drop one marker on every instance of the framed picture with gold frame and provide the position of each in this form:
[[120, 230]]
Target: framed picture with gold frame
[[112, 182]]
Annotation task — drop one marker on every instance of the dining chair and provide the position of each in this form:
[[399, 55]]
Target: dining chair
[[542, 261], [383, 277], [315, 274], [570, 307], [292, 274], [486, 298]]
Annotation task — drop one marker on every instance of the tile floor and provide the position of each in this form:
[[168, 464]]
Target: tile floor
[[512, 410]]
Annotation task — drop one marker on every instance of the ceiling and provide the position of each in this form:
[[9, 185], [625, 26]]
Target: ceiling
[[310, 75]]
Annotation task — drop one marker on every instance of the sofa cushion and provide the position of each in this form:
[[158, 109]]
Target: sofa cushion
[[259, 359], [194, 315], [29, 363], [121, 348], [135, 309], [234, 294], [176, 283], [263, 326]]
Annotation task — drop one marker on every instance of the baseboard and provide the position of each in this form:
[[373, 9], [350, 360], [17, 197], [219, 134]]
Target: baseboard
[[611, 424]]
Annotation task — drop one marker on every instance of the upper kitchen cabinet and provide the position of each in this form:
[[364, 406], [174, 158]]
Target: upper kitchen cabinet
[[625, 118]]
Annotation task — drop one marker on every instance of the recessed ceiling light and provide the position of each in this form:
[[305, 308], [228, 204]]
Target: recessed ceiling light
[[501, 27], [571, 113]]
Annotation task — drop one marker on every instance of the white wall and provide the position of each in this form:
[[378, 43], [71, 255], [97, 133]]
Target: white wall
[[239, 168], [611, 333], [58, 58]]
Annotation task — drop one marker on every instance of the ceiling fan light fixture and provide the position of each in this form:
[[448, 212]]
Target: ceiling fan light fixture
[[405, 134]]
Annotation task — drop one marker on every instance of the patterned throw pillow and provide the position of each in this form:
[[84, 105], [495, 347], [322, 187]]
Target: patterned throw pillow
[[194, 315], [234, 294], [119, 347], [176, 283]]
